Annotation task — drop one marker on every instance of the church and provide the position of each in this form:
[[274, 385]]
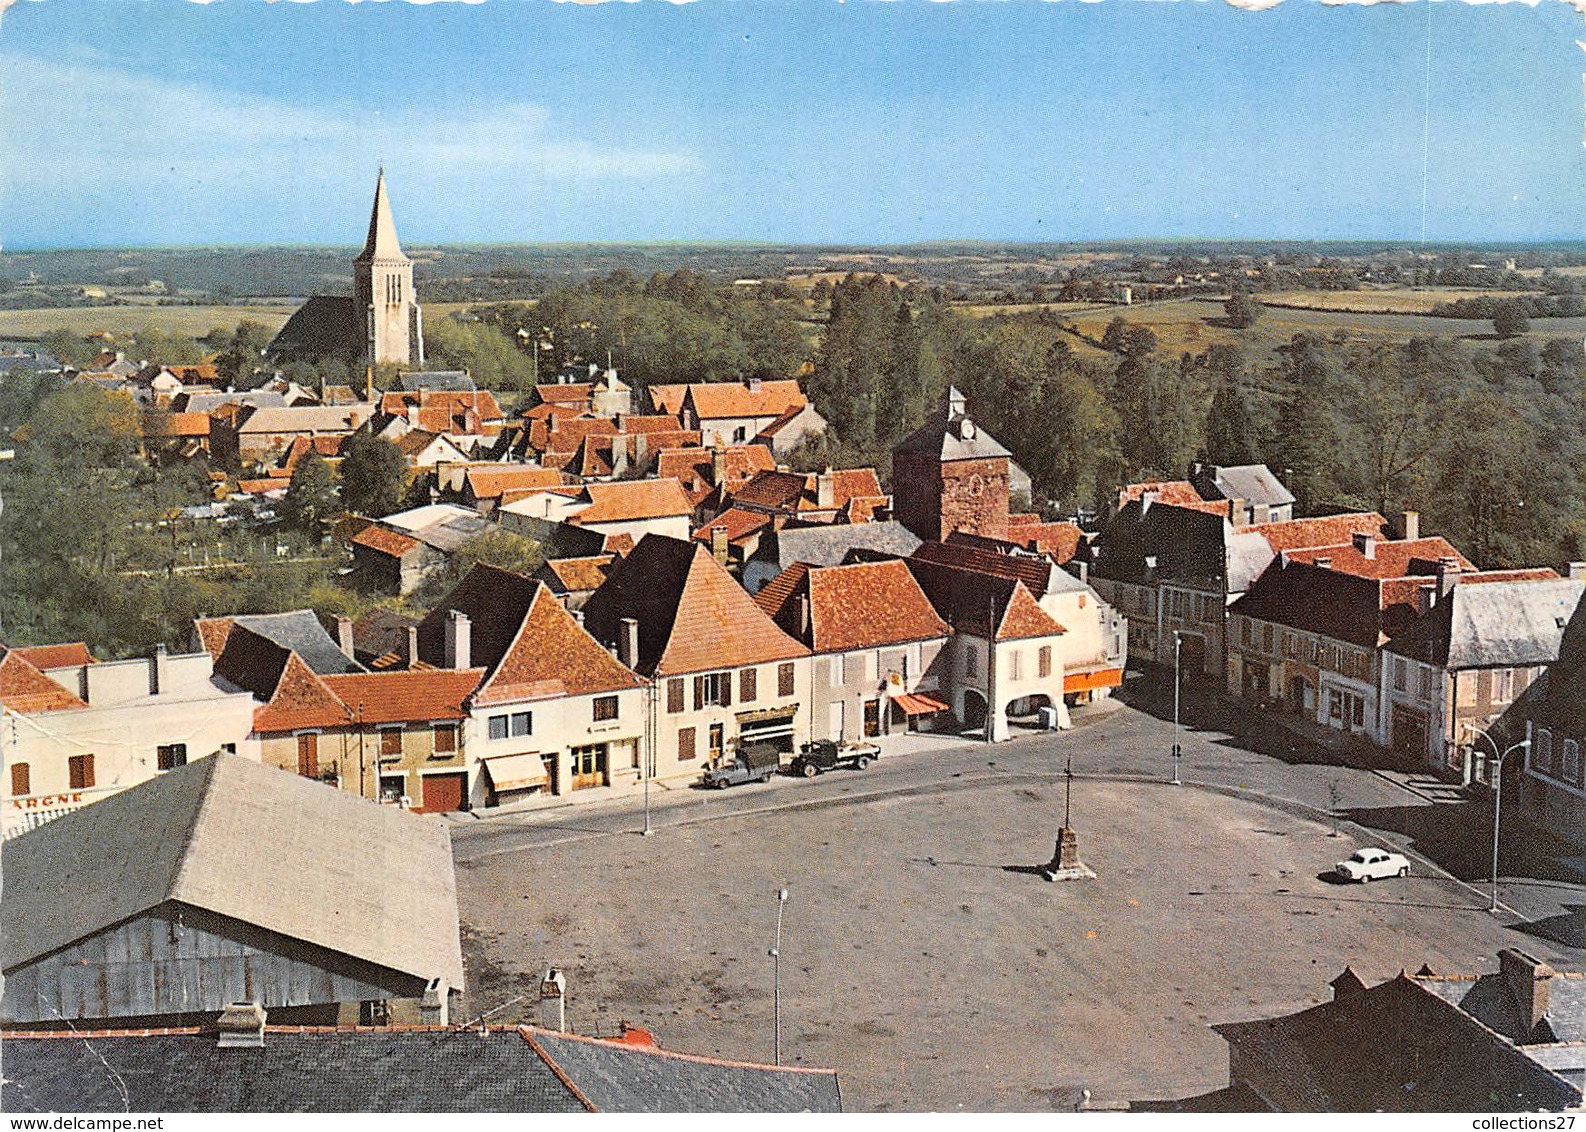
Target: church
[[381, 322]]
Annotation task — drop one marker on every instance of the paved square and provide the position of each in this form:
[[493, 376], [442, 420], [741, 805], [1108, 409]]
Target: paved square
[[933, 977]]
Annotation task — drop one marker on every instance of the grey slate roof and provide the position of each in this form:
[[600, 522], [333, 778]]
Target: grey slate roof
[[301, 632], [1488, 1000], [245, 841], [1494, 624], [1254, 483], [346, 1071], [209, 402], [452, 380], [829, 545], [1160, 542], [949, 434], [391, 1070], [326, 325], [617, 1079]]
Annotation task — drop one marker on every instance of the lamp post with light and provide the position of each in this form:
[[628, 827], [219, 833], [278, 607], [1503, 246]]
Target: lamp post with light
[[776, 981], [1178, 683], [1497, 797]]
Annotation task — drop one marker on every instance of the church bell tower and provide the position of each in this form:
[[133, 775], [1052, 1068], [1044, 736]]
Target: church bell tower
[[383, 291]]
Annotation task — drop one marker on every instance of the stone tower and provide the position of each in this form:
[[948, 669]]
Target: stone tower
[[383, 291], [949, 476]]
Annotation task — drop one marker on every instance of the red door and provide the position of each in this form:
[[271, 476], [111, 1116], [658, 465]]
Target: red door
[[444, 793]]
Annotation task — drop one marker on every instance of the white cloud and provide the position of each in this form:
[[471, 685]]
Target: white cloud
[[61, 124]]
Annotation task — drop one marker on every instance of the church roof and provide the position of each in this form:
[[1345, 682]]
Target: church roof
[[382, 241], [949, 434]]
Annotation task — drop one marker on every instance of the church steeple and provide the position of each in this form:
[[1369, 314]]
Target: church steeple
[[382, 242], [383, 290]]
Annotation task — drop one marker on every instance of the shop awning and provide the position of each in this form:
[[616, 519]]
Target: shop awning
[[1090, 681], [916, 704], [516, 772]]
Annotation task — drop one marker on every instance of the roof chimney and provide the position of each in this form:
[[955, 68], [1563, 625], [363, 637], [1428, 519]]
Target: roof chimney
[[803, 615], [413, 415], [459, 639], [1236, 511], [159, 665], [344, 636], [1146, 499], [413, 645], [1447, 575], [1528, 981], [628, 644], [434, 1007], [718, 465], [826, 489], [553, 1001], [1325, 562], [241, 1026], [1576, 571], [1366, 544], [1347, 985], [1425, 598], [1410, 525], [1260, 513], [718, 544], [754, 384]]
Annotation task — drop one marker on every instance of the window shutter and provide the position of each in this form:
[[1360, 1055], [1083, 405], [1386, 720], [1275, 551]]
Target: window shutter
[[674, 695], [724, 681], [699, 692], [746, 685], [20, 779], [685, 744], [784, 680]]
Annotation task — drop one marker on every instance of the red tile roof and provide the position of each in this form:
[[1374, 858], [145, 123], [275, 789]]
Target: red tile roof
[[668, 398], [982, 604], [695, 467], [544, 411], [1396, 558], [738, 523], [718, 400], [24, 689], [1023, 617], [550, 655], [864, 605], [66, 655], [329, 447], [797, 491], [1180, 493], [383, 541], [159, 424], [660, 423], [631, 500], [1324, 530], [261, 487], [490, 483], [407, 696], [565, 434], [576, 392], [1058, 540], [301, 700], [212, 633], [495, 600], [692, 616], [580, 575]]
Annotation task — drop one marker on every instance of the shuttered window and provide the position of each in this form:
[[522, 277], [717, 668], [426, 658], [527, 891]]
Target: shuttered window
[[21, 780], [674, 696], [685, 744], [445, 738], [784, 680], [308, 755], [81, 771], [748, 678], [391, 742], [1043, 660]]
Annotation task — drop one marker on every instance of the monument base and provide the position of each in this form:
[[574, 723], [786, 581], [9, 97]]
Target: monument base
[[1065, 863]]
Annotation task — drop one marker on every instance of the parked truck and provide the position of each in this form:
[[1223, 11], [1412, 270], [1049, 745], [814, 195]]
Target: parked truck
[[826, 754], [755, 763]]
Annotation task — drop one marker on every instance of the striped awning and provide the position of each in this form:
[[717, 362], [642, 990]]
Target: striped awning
[[516, 772], [915, 704]]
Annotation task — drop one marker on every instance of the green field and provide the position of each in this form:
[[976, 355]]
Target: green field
[[125, 321]]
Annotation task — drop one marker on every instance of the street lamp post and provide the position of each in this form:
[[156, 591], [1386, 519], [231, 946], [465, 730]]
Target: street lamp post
[[1178, 683], [776, 981], [1497, 799]]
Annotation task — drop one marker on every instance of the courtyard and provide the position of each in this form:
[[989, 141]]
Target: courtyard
[[923, 957]]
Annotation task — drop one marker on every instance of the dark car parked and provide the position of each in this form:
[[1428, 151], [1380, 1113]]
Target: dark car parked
[[821, 755]]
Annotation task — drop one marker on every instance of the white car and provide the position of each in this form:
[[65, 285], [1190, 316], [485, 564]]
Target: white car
[[1371, 864]]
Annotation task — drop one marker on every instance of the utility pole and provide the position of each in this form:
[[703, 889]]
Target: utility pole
[[776, 976]]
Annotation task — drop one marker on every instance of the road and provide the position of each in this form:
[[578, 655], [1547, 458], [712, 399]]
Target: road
[[1120, 743]]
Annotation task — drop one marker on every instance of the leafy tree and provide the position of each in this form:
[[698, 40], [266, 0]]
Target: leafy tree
[[373, 476], [500, 548], [310, 500], [1230, 430], [69, 348], [1307, 441], [1242, 309], [1509, 319], [238, 363]]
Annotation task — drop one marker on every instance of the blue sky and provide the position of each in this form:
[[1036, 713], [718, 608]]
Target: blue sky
[[167, 122]]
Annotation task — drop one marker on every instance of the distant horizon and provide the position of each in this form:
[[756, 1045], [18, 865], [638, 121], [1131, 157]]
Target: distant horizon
[[528, 122]]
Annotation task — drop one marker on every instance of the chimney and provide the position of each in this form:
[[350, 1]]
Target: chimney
[[553, 1001], [718, 544], [578, 617], [628, 644], [1576, 571], [159, 664], [825, 489], [803, 615], [1410, 525], [1236, 511], [413, 416], [1261, 512], [1084, 572], [434, 1007], [1366, 544], [344, 636], [1347, 985], [1528, 981], [459, 639], [754, 384], [413, 645], [1146, 499], [718, 466], [1447, 576], [1325, 563], [241, 1026], [1425, 598]]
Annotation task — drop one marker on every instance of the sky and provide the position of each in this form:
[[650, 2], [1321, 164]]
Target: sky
[[165, 122]]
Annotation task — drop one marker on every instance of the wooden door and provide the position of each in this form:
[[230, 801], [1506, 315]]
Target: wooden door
[[589, 766], [444, 793]]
